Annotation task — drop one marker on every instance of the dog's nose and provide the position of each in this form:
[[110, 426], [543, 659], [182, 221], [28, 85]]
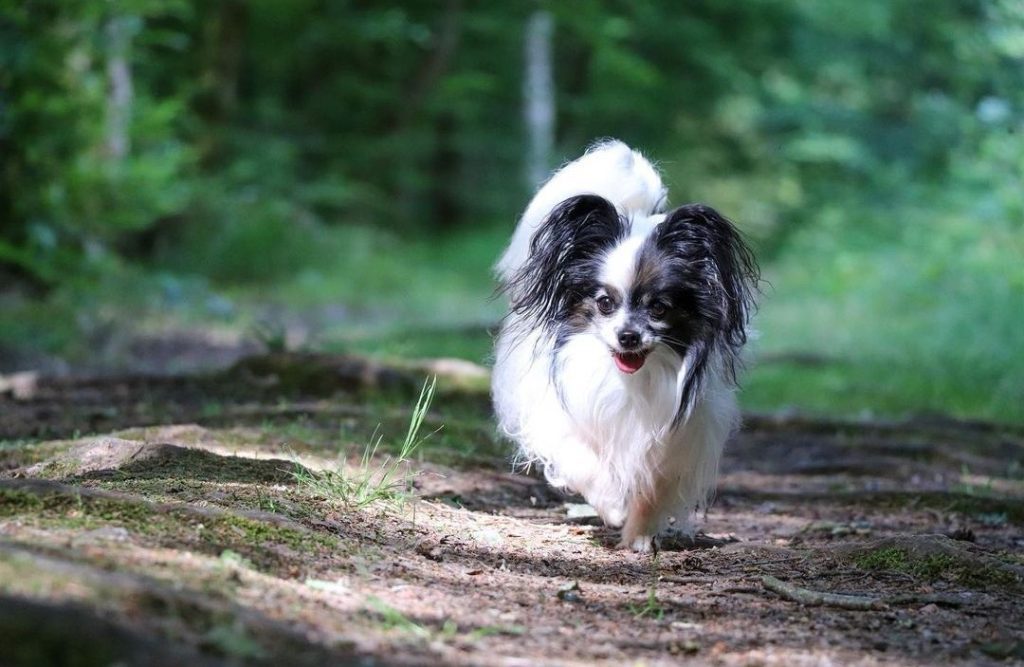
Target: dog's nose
[[629, 339]]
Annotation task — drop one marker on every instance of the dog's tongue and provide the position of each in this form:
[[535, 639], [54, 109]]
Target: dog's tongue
[[629, 362]]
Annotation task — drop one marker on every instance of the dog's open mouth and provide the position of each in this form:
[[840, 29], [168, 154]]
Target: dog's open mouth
[[629, 362]]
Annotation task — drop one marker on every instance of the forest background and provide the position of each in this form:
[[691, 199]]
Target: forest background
[[340, 176]]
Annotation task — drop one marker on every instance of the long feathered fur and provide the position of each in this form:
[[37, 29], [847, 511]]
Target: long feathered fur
[[642, 447]]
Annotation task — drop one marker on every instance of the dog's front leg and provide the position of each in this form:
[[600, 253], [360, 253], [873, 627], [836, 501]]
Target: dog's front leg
[[638, 533], [645, 514]]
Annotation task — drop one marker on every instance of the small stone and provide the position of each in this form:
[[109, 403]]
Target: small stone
[[570, 592], [579, 511], [433, 553]]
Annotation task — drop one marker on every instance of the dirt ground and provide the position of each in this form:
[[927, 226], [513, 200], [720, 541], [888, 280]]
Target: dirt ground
[[173, 520]]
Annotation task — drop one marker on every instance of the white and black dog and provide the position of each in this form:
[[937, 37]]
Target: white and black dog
[[616, 365]]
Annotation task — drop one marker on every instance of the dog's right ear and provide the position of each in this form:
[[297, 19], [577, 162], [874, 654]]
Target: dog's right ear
[[565, 254]]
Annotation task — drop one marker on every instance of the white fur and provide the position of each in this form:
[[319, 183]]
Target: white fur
[[610, 436], [610, 169]]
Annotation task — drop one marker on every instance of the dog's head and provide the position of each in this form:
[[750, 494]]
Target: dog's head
[[686, 282]]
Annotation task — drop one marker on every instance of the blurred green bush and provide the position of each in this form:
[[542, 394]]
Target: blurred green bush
[[374, 154]]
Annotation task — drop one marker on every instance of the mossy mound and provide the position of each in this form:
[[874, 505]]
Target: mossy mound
[[935, 557]]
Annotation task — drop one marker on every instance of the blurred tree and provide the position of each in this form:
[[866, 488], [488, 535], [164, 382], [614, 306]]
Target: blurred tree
[[234, 120], [85, 159], [539, 97]]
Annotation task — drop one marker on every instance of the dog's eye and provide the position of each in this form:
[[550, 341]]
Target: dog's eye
[[658, 310], [605, 305]]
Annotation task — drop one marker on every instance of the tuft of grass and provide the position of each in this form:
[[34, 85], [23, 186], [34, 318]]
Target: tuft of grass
[[272, 335], [393, 619], [370, 482], [650, 608]]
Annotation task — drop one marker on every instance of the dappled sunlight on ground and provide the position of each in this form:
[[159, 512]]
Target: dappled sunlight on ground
[[204, 533]]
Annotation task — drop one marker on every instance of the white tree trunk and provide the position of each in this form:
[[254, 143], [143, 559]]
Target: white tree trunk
[[539, 97], [119, 98]]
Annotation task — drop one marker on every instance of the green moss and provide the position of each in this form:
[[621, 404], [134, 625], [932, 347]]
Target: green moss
[[932, 567], [131, 514], [14, 502], [257, 534], [156, 489], [17, 453], [938, 566], [986, 576], [57, 469], [177, 525], [1011, 558], [882, 559], [73, 509]]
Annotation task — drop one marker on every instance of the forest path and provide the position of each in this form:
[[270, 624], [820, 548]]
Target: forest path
[[189, 528]]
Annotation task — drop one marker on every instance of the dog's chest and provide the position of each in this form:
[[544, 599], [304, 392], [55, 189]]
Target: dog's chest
[[612, 409]]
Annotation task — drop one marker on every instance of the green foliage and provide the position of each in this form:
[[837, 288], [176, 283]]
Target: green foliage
[[67, 191], [911, 307], [373, 159]]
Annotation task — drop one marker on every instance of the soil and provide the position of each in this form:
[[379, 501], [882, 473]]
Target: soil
[[216, 519]]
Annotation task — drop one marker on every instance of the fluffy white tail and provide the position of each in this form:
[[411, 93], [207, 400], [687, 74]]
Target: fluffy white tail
[[610, 169]]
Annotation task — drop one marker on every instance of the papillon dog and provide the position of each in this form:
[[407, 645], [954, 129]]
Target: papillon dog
[[615, 367]]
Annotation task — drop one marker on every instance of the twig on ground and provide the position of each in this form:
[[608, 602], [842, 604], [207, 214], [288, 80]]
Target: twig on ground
[[817, 598], [921, 598], [698, 579], [775, 561], [738, 589]]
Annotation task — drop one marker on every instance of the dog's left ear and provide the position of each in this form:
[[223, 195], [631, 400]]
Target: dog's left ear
[[710, 249], [711, 256]]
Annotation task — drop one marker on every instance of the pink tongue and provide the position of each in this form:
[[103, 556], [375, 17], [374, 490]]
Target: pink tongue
[[629, 362]]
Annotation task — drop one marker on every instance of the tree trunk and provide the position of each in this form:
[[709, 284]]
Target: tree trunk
[[224, 47], [119, 98], [538, 97]]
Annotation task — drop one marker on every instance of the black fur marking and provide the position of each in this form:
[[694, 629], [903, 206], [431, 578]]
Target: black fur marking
[[564, 261], [711, 277], [695, 262]]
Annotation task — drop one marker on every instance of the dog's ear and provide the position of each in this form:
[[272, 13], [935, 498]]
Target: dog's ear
[[565, 252], [713, 254], [710, 256]]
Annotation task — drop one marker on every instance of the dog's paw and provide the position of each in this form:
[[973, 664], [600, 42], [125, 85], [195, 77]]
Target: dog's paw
[[614, 517], [641, 543]]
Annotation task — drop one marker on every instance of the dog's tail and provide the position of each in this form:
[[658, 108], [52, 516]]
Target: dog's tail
[[610, 169]]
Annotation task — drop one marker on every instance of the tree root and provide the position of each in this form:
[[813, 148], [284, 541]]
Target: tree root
[[816, 598]]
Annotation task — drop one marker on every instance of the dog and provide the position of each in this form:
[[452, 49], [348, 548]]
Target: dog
[[616, 365]]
